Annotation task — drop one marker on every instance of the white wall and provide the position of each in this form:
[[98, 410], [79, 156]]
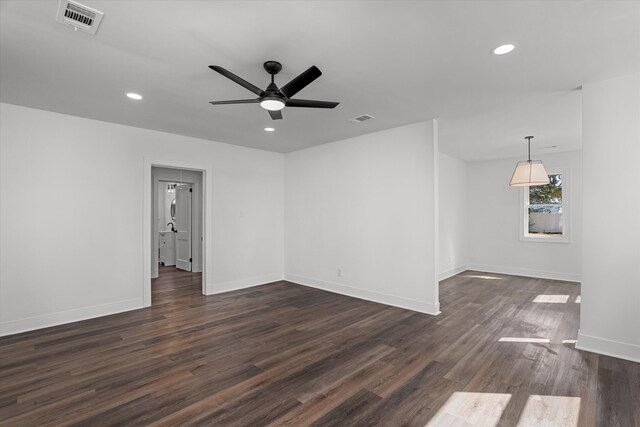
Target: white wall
[[610, 308], [81, 256], [495, 214], [453, 216], [366, 205]]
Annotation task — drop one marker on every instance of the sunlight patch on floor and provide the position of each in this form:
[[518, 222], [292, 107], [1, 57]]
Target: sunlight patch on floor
[[524, 339], [578, 299], [548, 411], [569, 341], [471, 409], [555, 299], [482, 277]]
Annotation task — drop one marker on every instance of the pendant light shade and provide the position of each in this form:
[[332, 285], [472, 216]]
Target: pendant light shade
[[529, 172]]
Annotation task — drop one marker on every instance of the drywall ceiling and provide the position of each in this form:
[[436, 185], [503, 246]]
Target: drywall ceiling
[[401, 62]]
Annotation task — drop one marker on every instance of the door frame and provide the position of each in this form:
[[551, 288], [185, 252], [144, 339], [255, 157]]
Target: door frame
[[148, 221]]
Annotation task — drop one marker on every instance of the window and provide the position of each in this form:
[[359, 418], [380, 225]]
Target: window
[[545, 214]]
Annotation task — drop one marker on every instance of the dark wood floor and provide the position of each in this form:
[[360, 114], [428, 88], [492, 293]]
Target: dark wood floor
[[284, 354]]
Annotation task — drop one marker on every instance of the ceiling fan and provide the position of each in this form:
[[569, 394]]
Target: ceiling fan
[[274, 99]]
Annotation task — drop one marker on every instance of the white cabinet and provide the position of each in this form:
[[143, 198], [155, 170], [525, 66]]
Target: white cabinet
[[167, 247]]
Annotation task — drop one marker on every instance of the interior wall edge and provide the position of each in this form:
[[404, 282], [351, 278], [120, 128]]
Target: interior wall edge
[[68, 316], [234, 285], [527, 272], [621, 350], [452, 272], [355, 292]]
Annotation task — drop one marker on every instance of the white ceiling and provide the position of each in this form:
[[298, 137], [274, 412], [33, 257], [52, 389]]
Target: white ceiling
[[401, 62]]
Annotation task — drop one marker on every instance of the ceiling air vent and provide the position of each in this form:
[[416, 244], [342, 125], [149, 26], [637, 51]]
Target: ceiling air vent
[[362, 118], [79, 16]]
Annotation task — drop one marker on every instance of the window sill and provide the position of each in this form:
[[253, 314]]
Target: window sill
[[545, 239]]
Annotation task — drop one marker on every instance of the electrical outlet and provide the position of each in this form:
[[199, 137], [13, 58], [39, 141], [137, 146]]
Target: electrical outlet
[[339, 272]]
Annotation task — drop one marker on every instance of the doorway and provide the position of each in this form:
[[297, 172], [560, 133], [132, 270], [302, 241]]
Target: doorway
[[177, 234]]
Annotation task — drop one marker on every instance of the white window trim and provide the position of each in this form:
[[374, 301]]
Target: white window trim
[[566, 212]]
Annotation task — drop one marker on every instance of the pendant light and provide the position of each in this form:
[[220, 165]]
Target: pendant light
[[530, 172]]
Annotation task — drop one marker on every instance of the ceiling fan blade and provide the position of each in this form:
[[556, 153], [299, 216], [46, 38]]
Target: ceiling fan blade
[[309, 103], [275, 115], [242, 82], [300, 82], [235, 101]]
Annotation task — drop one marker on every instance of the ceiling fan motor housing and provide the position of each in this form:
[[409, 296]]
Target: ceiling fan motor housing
[[272, 89]]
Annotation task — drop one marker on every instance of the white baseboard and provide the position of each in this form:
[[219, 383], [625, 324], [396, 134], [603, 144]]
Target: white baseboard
[[452, 272], [528, 272], [234, 285], [621, 350], [409, 304], [60, 318]]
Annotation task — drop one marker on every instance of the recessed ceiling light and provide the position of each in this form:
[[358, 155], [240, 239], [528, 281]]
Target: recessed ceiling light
[[505, 48], [135, 96], [269, 129]]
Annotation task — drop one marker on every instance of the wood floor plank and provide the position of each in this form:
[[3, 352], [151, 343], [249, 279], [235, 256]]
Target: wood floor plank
[[351, 409], [282, 354], [323, 403]]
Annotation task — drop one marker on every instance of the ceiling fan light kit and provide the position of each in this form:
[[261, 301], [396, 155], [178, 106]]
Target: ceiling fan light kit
[[272, 104], [274, 99], [529, 172]]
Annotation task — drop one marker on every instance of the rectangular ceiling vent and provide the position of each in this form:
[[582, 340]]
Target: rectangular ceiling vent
[[79, 16], [362, 118]]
